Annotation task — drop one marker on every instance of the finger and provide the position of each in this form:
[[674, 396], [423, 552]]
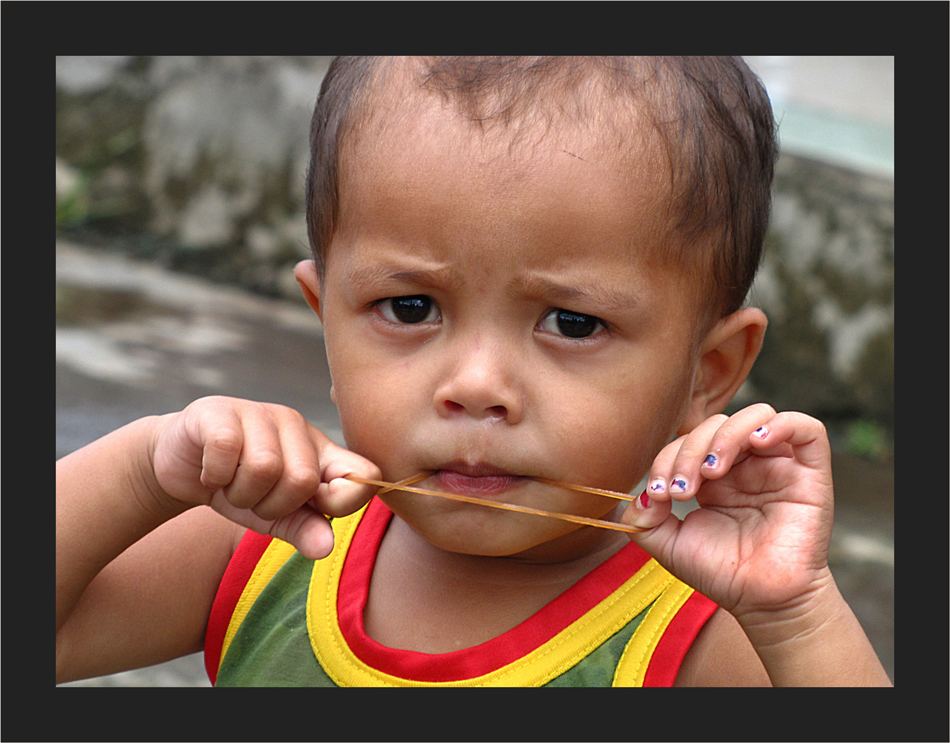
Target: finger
[[337, 496], [807, 437], [261, 460], [222, 439], [300, 470], [660, 471], [685, 471], [731, 439]]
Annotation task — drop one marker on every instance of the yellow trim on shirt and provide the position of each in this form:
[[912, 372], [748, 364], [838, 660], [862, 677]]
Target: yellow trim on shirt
[[633, 664], [539, 666], [272, 560]]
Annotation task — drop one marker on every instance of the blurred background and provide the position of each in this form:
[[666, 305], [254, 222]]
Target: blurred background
[[180, 215]]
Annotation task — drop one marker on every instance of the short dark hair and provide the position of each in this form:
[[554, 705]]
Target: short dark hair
[[712, 113]]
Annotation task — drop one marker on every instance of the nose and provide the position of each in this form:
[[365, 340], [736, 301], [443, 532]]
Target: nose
[[481, 384]]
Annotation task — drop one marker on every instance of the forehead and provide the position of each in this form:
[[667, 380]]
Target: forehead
[[412, 142], [400, 100]]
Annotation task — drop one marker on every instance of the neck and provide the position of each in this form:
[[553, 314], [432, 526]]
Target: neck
[[426, 599]]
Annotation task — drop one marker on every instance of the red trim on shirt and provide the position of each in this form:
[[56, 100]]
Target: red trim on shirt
[[677, 639], [236, 575], [469, 662]]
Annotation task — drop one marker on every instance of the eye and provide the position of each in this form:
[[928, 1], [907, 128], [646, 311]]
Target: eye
[[570, 324], [409, 310]]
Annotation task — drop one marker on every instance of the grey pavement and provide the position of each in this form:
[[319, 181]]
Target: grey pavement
[[133, 340]]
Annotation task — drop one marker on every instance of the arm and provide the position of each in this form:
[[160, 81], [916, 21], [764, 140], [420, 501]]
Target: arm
[[759, 544], [106, 500], [151, 603], [148, 516], [818, 643]]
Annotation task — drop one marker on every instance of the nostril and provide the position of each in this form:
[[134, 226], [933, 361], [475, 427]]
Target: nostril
[[495, 411]]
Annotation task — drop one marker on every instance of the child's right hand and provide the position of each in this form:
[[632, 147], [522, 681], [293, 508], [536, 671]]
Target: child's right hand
[[263, 467]]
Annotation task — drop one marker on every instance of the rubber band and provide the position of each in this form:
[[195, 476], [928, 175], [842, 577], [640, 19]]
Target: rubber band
[[405, 486], [585, 489]]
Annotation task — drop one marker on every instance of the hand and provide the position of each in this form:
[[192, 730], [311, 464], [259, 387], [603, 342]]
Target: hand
[[760, 540], [262, 466]]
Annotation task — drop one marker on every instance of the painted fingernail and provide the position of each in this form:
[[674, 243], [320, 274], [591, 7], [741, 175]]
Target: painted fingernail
[[711, 461], [644, 500], [678, 485], [761, 432], [658, 486]]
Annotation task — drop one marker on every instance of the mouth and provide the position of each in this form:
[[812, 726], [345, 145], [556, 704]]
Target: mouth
[[465, 478]]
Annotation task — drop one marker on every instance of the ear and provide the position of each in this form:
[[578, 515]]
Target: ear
[[727, 353], [306, 274]]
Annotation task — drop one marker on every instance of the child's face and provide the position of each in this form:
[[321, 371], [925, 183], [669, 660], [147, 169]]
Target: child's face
[[486, 316]]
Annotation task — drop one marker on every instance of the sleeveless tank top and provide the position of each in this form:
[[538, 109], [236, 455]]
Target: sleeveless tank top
[[280, 619]]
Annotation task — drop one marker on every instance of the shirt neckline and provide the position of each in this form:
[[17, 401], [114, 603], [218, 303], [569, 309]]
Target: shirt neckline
[[575, 606]]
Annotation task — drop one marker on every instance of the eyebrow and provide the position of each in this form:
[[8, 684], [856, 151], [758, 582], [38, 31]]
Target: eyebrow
[[367, 276], [602, 296]]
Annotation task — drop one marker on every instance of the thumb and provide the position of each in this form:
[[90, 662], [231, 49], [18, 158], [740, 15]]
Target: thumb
[[306, 529], [657, 523]]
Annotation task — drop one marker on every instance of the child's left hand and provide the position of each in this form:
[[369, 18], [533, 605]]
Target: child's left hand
[[760, 540]]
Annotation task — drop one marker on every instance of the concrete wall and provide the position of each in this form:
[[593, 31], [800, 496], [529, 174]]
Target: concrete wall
[[199, 163]]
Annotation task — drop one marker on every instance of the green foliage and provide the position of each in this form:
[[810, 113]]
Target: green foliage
[[868, 439], [72, 203]]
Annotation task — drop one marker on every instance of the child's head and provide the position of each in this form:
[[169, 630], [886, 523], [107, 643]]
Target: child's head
[[711, 114], [532, 269]]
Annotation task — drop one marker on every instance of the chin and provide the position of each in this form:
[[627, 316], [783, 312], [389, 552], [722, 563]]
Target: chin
[[477, 531], [488, 547], [483, 542]]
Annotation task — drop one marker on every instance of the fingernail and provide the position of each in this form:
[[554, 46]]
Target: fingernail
[[761, 432], [711, 461], [657, 486], [678, 485], [644, 500]]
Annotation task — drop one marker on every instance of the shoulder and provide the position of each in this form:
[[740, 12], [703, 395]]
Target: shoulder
[[722, 655]]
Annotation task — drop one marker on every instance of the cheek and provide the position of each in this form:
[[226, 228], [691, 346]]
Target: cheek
[[616, 428], [375, 405], [595, 441], [351, 390]]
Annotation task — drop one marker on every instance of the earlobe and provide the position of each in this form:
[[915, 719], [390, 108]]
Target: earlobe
[[306, 274], [726, 357]]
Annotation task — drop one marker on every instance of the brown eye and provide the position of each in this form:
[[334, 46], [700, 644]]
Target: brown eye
[[571, 324], [409, 310]]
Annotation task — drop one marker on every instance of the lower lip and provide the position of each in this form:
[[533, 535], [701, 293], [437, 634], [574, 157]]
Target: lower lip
[[455, 482]]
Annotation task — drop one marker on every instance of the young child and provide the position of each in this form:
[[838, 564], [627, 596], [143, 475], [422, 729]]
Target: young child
[[525, 268]]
